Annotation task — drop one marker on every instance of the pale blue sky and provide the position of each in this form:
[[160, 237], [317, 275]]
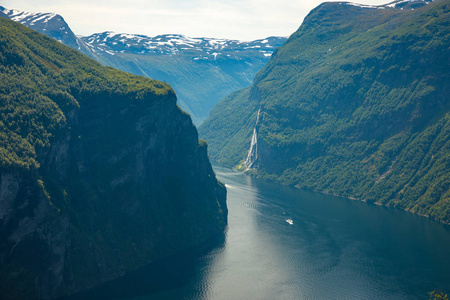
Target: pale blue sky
[[233, 19]]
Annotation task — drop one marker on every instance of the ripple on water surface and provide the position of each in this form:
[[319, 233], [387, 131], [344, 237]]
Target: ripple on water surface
[[283, 243]]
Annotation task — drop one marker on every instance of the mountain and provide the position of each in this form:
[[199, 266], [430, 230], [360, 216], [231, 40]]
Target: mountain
[[355, 103], [50, 24], [100, 171], [201, 70]]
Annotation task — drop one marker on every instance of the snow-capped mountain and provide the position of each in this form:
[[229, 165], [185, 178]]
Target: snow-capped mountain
[[172, 44], [201, 70], [399, 4], [28, 18], [52, 25]]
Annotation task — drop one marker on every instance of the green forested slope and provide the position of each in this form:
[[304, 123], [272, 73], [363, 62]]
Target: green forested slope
[[229, 127], [39, 81], [355, 104], [100, 171]]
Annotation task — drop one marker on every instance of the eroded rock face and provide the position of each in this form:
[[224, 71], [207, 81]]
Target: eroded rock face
[[34, 239], [122, 181]]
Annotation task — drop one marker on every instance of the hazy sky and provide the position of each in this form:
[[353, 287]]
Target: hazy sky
[[234, 19]]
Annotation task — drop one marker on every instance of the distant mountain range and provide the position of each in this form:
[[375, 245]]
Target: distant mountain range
[[356, 103], [172, 44], [201, 70]]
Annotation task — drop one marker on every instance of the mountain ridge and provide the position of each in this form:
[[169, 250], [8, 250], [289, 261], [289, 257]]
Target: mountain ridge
[[174, 43], [201, 70], [354, 104]]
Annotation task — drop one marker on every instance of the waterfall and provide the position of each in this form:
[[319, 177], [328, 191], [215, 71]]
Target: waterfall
[[252, 154]]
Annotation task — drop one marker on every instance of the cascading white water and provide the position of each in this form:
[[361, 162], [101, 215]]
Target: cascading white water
[[252, 154]]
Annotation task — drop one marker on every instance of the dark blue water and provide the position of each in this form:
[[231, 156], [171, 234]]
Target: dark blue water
[[283, 243]]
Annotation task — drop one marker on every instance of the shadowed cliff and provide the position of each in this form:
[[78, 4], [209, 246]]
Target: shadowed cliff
[[100, 171]]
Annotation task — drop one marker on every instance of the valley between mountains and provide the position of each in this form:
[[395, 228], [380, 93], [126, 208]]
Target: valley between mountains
[[106, 142], [201, 70]]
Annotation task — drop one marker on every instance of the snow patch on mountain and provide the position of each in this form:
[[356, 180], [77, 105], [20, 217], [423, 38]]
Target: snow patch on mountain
[[172, 44], [111, 43], [27, 17], [398, 4]]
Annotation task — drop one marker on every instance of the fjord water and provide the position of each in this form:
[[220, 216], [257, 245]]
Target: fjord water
[[283, 243]]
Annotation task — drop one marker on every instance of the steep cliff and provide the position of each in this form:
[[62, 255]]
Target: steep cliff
[[100, 171], [355, 103]]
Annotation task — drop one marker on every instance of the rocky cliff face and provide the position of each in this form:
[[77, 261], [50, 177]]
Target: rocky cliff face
[[101, 172]]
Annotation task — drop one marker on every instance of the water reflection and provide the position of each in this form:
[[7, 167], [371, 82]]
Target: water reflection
[[169, 277], [334, 249], [250, 259]]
